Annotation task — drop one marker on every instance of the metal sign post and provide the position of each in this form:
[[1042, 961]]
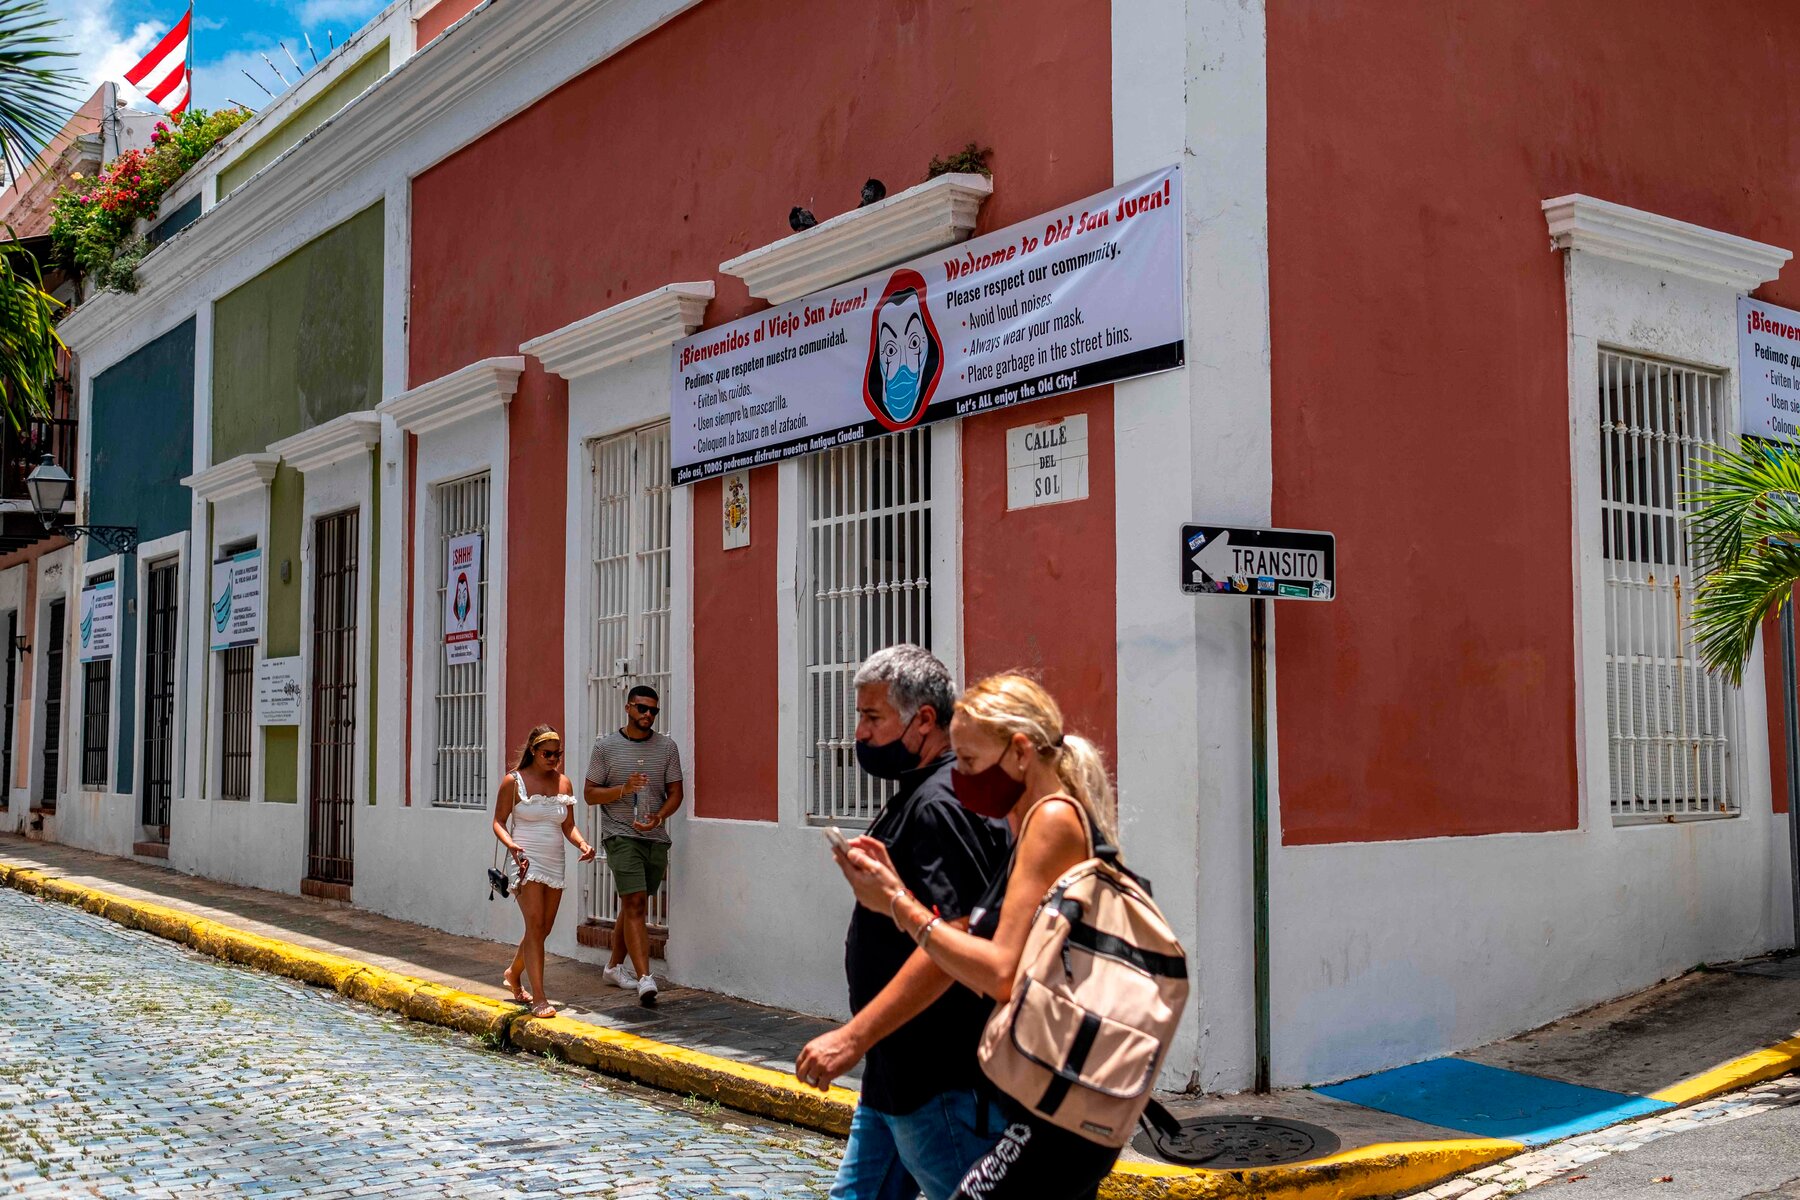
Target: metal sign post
[[1261, 565], [1791, 703]]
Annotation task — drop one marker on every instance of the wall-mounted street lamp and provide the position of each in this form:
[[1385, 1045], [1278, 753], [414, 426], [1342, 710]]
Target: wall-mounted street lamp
[[50, 487]]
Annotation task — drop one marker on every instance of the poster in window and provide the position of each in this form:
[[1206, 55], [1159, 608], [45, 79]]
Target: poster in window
[[236, 614], [462, 599], [99, 621]]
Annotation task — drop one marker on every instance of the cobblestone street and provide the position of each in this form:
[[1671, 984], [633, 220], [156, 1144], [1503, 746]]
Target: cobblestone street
[[129, 1067]]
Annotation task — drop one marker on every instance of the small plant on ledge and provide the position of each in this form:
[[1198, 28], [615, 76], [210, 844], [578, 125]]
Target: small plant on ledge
[[93, 223], [970, 160]]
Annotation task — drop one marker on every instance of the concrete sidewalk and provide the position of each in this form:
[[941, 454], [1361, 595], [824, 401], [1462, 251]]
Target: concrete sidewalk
[[1689, 1039]]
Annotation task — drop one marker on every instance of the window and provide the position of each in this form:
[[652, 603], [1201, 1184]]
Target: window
[[632, 525], [462, 758], [53, 694], [96, 711], [868, 585], [12, 681], [1672, 725], [237, 687]]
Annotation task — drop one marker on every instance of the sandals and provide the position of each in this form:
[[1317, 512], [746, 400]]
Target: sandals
[[542, 1009], [519, 994]]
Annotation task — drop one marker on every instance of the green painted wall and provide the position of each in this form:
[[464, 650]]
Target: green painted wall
[[281, 614], [140, 444], [300, 343], [308, 117]]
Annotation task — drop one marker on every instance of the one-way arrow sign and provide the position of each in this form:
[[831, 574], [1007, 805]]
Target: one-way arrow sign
[[1271, 564]]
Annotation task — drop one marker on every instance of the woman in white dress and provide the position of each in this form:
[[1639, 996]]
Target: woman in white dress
[[533, 815]]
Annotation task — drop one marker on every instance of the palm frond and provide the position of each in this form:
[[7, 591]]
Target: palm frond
[[36, 84], [1743, 497], [1733, 601], [29, 343]]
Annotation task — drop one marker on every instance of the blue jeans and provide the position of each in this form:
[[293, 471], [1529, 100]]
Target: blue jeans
[[929, 1149]]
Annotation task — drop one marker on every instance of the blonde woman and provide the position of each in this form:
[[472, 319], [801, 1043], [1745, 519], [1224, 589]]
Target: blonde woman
[[533, 815], [1013, 760]]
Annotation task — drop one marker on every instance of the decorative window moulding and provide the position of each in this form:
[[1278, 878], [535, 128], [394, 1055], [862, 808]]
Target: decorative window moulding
[[233, 477], [332, 442], [476, 389], [652, 321], [1632, 235], [939, 212]]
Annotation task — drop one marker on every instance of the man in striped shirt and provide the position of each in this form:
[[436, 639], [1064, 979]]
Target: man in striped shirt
[[634, 774]]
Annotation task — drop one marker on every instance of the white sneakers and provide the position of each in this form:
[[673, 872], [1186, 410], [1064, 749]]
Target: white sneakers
[[622, 976]]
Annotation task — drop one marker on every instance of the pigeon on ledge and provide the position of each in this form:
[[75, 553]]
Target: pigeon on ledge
[[873, 191], [800, 218]]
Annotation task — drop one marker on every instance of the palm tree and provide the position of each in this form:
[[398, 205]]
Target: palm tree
[[35, 97], [1746, 527]]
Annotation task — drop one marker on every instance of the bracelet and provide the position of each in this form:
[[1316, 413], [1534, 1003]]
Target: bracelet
[[894, 906], [923, 937]]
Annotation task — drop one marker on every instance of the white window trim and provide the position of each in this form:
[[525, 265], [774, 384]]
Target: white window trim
[[342, 483], [241, 517], [149, 554], [90, 571], [618, 381], [461, 425], [54, 571], [1643, 284]]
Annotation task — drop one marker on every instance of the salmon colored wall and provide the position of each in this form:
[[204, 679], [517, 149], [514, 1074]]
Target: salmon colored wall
[[1421, 400], [441, 18], [684, 150], [735, 723], [1038, 583]]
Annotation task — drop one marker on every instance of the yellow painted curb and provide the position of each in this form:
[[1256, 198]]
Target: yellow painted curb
[[1767, 1063], [1383, 1169]]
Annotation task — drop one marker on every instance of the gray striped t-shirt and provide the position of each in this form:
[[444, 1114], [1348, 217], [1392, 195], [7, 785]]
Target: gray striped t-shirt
[[614, 760]]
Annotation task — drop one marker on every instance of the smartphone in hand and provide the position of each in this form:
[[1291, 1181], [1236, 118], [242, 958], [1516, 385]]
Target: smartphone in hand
[[836, 837]]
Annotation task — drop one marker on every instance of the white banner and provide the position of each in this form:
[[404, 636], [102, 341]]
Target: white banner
[[278, 691], [1083, 296], [462, 600], [1768, 370], [237, 601], [99, 621]]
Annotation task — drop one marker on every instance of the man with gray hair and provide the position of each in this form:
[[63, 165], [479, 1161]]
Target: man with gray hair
[[921, 1122]]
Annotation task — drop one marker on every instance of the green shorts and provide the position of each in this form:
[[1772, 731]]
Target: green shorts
[[637, 865]]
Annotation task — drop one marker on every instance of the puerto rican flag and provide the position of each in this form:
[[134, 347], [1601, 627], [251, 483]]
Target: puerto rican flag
[[162, 76]]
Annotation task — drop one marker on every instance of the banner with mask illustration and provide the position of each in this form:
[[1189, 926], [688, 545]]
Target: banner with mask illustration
[[1089, 294], [236, 612], [462, 599]]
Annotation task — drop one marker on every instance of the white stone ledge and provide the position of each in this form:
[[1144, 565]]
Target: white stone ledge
[[233, 477], [477, 388], [329, 443], [1632, 235], [652, 321], [937, 213]]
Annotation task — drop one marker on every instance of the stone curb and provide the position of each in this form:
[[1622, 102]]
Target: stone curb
[[1368, 1171]]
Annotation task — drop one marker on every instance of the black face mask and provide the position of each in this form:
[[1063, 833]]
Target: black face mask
[[890, 760]]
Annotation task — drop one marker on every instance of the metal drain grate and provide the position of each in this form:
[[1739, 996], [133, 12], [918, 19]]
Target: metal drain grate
[[1232, 1142]]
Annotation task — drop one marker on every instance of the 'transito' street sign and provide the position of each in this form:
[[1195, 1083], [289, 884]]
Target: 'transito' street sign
[[1268, 564]]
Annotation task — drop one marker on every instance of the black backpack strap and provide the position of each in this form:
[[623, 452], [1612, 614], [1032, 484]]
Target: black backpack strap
[[1159, 1120]]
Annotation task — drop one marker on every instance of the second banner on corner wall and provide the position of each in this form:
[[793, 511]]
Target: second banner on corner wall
[[99, 621], [1086, 295], [462, 599]]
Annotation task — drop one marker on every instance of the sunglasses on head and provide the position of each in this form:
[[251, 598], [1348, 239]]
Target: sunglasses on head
[[651, 709]]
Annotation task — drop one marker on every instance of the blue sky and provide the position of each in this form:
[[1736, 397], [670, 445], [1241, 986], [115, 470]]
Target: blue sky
[[109, 36]]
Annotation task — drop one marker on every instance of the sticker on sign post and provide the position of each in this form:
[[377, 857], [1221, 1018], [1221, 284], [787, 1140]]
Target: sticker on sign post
[[462, 599], [1268, 564]]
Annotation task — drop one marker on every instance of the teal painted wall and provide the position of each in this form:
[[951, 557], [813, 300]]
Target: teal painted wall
[[300, 343], [140, 445]]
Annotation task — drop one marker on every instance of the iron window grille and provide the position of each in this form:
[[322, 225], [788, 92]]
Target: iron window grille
[[53, 696], [867, 586], [461, 757], [237, 717], [96, 713], [1672, 725], [160, 626], [631, 563], [332, 773], [12, 690]]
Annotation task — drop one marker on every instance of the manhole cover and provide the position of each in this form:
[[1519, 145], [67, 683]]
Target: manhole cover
[[1230, 1142]]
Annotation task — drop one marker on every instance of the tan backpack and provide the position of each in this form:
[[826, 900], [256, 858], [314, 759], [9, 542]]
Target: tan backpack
[[1099, 993]]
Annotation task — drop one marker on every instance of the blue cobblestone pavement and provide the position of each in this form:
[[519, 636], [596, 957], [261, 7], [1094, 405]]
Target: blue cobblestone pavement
[[133, 1068]]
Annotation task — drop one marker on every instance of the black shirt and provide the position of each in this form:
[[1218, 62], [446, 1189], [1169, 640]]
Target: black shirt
[[945, 855]]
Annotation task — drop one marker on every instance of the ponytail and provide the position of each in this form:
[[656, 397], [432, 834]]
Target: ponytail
[[1083, 773]]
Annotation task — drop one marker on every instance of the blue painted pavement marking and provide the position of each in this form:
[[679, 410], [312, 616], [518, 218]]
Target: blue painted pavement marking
[[1491, 1101]]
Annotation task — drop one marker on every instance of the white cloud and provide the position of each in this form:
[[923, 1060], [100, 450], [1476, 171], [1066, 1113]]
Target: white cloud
[[103, 49]]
